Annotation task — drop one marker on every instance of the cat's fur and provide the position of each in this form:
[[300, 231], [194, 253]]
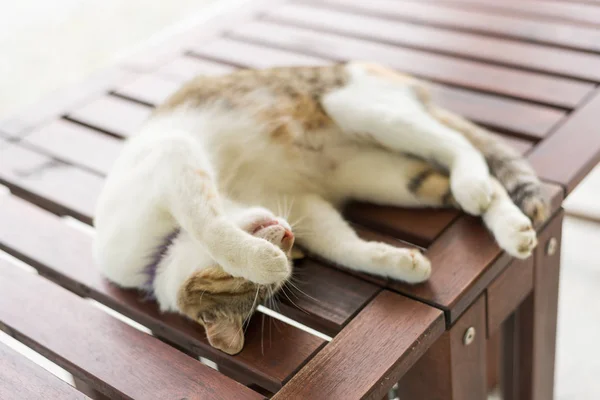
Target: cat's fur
[[222, 154]]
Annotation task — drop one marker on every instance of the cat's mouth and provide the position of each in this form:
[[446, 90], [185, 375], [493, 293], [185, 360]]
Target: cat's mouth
[[274, 232]]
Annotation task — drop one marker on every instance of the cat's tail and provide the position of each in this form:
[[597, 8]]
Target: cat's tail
[[508, 166]]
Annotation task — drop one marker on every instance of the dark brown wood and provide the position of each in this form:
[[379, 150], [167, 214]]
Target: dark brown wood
[[76, 144], [573, 149], [53, 184], [565, 62], [371, 353], [116, 359], [507, 291], [111, 114], [512, 372], [416, 226], [494, 361], [64, 254], [475, 20], [58, 103], [454, 288], [451, 370], [324, 298], [21, 378], [533, 86], [86, 388], [537, 317]]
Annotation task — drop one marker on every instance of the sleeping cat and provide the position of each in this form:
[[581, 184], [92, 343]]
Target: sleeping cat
[[188, 212]]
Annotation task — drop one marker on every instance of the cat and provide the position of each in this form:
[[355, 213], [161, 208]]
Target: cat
[[187, 212]]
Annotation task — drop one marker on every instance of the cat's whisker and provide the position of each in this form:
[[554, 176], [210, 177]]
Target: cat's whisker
[[291, 301], [303, 292]]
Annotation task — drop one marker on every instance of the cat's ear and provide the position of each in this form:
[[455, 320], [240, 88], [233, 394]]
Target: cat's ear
[[225, 334]]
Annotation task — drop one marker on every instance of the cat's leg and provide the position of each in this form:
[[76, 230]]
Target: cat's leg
[[192, 198], [511, 228], [391, 114], [323, 231], [382, 177]]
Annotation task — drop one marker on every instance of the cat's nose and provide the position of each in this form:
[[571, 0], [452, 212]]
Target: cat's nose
[[287, 241]]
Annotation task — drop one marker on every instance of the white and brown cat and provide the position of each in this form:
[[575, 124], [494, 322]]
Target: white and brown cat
[[188, 212]]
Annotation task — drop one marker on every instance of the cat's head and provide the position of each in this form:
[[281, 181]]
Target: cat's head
[[222, 303]]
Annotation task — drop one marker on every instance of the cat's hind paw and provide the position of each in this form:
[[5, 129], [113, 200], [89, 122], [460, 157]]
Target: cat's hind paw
[[513, 231]]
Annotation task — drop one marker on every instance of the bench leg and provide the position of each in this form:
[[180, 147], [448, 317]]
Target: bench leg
[[530, 334], [451, 369]]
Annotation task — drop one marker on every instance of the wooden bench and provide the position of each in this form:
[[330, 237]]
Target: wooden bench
[[484, 320]]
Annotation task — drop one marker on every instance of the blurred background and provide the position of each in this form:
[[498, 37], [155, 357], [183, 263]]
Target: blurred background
[[47, 45]]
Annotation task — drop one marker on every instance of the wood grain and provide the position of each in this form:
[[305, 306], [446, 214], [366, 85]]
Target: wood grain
[[475, 20], [75, 144], [324, 298], [565, 62], [560, 10], [53, 184], [358, 364], [532, 86], [21, 378], [451, 370], [507, 291], [111, 114], [573, 149], [56, 104], [64, 254], [538, 316], [116, 359]]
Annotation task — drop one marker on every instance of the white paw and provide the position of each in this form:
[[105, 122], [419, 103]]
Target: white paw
[[407, 265], [267, 263], [515, 234], [472, 192]]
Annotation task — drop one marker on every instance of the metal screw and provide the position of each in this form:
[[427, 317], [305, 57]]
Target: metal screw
[[469, 336], [551, 246]]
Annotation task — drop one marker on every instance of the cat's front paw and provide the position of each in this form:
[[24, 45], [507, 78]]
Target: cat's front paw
[[473, 193], [407, 265], [267, 264]]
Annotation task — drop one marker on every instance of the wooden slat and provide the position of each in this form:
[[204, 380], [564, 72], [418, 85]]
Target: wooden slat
[[57, 186], [23, 379], [376, 348], [238, 54], [148, 89], [507, 291], [64, 254], [184, 68], [565, 62], [116, 359], [57, 103], [324, 298], [472, 19], [476, 75], [573, 149], [76, 144], [111, 114], [560, 10], [529, 120], [465, 259], [420, 227]]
